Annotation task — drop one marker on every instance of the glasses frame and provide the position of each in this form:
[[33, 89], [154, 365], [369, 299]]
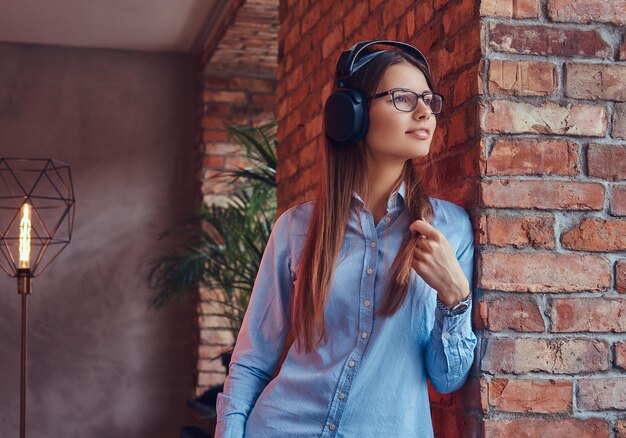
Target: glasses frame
[[392, 91]]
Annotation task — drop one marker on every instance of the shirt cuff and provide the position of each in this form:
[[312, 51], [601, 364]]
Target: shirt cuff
[[453, 328]]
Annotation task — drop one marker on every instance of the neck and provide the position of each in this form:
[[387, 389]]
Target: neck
[[382, 178]]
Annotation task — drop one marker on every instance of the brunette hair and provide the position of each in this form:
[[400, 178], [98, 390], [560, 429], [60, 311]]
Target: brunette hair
[[345, 172]]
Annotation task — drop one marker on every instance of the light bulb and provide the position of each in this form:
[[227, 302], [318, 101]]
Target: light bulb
[[25, 226]]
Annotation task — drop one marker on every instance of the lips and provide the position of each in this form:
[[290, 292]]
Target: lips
[[420, 133]]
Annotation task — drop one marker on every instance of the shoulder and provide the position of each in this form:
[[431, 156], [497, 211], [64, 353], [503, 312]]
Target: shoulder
[[446, 211], [453, 221], [295, 220]]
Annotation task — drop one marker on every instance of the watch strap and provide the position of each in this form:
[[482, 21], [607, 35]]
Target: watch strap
[[457, 309]]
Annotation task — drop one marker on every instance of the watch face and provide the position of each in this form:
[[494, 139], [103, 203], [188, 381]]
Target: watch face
[[460, 308]]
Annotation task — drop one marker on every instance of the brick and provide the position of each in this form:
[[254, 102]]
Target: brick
[[209, 379], [620, 428], [392, 11], [595, 81], [596, 234], [460, 50], [543, 272], [213, 135], [210, 122], [311, 17], [599, 394], [253, 84], [511, 117], [519, 314], [536, 231], [221, 148], [588, 315], [462, 126], [620, 355], [607, 161], [521, 356], [224, 96], [510, 8], [213, 161], [622, 51], [423, 14], [618, 201], [522, 78], [547, 40], [588, 11], [458, 16], [525, 8], [268, 100], [619, 121], [441, 3], [496, 8], [216, 337], [532, 157], [543, 195], [546, 428], [355, 18], [332, 41], [620, 276], [466, 85], [409, 23], [537, 396]]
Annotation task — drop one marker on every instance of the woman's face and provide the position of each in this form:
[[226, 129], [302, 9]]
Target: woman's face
[[394, 134]]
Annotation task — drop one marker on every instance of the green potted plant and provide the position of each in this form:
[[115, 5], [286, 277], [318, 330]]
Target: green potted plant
[[223, 247]]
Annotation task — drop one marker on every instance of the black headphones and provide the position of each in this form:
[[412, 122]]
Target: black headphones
[[345, 111]]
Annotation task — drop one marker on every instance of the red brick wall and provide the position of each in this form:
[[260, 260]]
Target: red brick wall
[[311, 37], [531, 142], [237, 73], [552, 170]]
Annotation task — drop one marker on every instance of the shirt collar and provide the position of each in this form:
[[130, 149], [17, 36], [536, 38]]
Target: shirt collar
[[395, 199]]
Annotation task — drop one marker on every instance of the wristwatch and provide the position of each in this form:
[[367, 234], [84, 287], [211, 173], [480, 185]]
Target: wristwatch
[[457, 309]]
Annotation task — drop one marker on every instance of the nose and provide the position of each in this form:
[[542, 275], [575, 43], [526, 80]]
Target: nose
[[422, 111]]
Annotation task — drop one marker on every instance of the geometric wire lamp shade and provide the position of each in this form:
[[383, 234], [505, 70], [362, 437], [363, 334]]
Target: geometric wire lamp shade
[[36, 212]]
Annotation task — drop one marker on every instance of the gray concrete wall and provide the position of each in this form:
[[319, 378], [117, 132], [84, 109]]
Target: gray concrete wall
[[100, 363]]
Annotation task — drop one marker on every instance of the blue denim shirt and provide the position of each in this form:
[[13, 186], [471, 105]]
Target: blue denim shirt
[[370, 378]]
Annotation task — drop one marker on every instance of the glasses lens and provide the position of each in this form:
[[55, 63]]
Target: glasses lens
[[435, 101], [404, 100]]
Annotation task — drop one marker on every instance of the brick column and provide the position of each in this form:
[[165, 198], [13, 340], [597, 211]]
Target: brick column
[[531, 143], [237, 75], [553, 156]]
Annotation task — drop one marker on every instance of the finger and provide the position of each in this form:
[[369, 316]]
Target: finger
[[424, 228]]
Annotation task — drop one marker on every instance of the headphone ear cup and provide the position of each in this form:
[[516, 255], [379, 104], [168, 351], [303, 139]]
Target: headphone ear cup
[[345, 117]]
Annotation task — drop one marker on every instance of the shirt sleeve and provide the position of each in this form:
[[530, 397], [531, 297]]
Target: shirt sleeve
[[262, 335], [450, 349]]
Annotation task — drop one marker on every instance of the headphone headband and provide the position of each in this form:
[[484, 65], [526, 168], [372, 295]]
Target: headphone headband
[[346, 63]]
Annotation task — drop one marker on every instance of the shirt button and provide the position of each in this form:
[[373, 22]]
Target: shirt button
[[332, 426], [387, 219], [341, 396], [369, 271], [364, 335], [351, 364], [373, 244], [366, 303], [445, 335]]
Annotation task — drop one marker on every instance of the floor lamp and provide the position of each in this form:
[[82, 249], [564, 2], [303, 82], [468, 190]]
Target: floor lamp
[[36, 221]]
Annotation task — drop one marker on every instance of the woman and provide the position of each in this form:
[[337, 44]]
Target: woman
[[364, 294]]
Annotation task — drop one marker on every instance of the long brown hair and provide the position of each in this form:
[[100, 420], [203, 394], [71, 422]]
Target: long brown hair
[[345, 172]]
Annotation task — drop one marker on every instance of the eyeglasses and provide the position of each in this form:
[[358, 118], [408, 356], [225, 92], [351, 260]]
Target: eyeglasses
[[406, 100]]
